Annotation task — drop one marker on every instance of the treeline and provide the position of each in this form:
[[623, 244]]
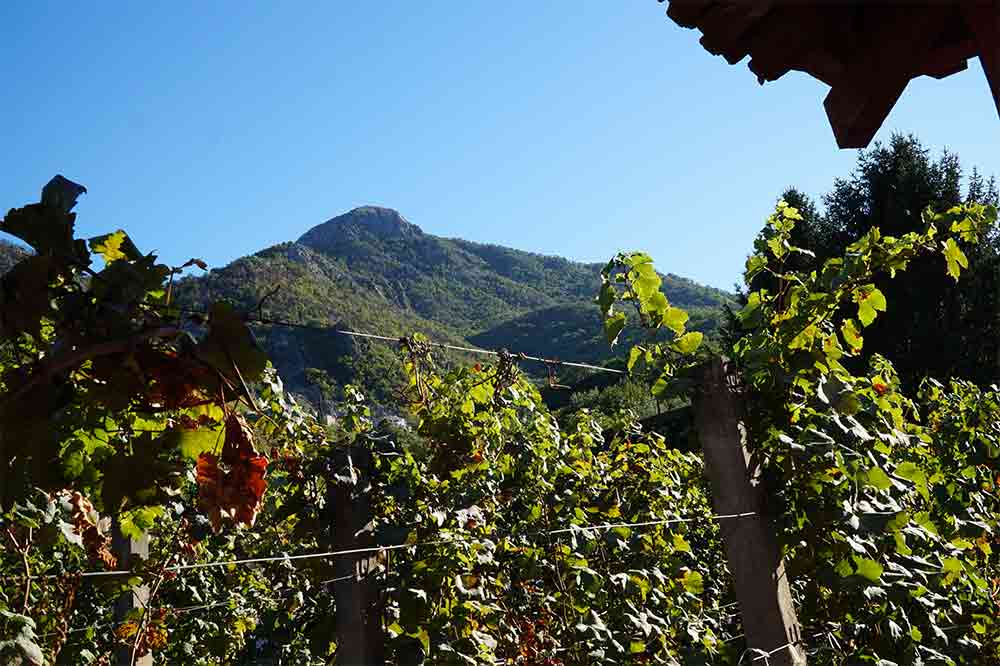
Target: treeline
[[933, 327]]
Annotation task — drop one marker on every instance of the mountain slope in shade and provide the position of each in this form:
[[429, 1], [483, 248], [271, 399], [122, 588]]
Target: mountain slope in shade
[[10, 254], [372, 270]]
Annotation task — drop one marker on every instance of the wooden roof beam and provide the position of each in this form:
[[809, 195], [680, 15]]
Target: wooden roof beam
[[947, 60], [878, 74], [725, 29], [983, 20], [784, 41], [686, 13]]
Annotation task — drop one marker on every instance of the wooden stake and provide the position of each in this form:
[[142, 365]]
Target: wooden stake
[[126, 550], [359, 604], [762, 590]]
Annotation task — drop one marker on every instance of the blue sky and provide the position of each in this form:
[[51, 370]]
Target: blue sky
[[575, 129]]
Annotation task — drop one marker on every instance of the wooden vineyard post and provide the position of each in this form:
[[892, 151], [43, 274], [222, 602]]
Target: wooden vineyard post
[[762, 589], [126, 550], [358, 599]]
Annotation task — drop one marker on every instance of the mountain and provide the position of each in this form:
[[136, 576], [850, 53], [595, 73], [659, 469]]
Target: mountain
[[372, 270], [10, 254]]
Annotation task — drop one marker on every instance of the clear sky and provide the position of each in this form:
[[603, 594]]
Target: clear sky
[[570, 128]]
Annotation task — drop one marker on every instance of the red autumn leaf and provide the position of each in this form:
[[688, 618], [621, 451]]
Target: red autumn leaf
[[232, 487], [239, 440], [880, 388]]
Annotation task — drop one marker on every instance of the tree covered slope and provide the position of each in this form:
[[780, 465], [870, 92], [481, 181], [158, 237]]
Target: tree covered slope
[[372, 270]]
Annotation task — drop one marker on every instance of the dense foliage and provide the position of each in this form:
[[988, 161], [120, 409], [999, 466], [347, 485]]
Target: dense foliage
[[887, 499], [106, 404], [123, 415], [501, 532], [935, 327]]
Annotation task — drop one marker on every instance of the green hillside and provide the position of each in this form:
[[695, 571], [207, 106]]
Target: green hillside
[[573, 331], [371, 270]]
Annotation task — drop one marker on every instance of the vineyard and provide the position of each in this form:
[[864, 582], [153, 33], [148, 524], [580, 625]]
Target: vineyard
[[164, 500]]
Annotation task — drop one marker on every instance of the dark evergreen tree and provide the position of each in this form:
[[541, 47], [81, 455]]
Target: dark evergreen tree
[[934, 327]]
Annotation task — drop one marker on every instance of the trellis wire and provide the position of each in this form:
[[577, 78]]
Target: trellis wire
[[432, 542], [256, 319]]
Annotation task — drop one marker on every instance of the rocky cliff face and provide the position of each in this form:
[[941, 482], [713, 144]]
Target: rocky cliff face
[[371, 221]]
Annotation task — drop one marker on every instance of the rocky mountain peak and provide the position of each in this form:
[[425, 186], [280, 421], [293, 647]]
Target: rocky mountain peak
[[365, 220]]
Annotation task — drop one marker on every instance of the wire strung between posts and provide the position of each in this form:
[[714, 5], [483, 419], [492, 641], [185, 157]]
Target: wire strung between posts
[[253, 319], [490, 352], [399, 546], [767, 654]]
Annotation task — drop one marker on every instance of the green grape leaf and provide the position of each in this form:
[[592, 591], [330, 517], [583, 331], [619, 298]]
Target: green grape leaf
[[910, 472], [633, 357], [868, 569], [61, 193], [755, 264], [137, 522], [955, 258], [688, 342], [613, 326], [137, 478], [675, 319], [851, 335], [657, 304], [877, 478], [25, 299], [115, 246], [606, 298], [693, 582], [48, 230], [192, 443], [647, 283], [870, 303]]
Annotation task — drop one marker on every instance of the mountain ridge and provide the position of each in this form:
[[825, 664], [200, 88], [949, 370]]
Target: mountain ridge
[[371, 270], [368, 219]]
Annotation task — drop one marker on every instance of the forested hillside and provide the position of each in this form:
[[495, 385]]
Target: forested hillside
[[10, 254], [372, 270]]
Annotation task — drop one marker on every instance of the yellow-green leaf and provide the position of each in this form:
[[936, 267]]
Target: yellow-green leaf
[[871, 301], [688, 342], [693, 582], [851, 335], [613, 326], [955, 258], [878, 478], [114, 246], [675, 319], [868, 569]]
